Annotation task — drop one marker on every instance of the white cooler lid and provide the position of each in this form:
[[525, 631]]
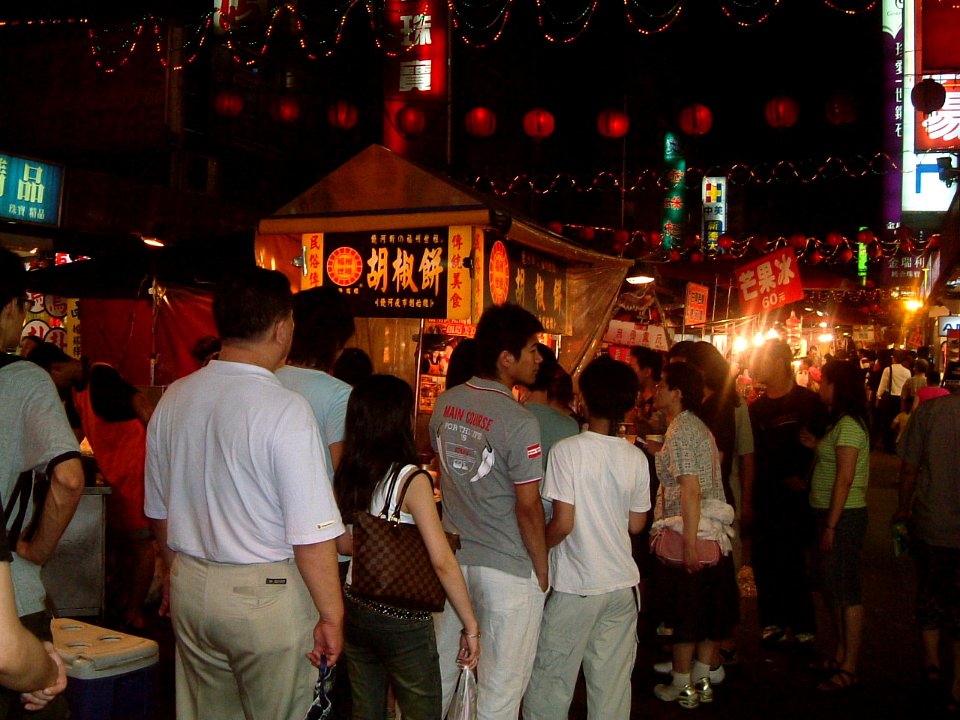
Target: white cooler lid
[[90, 651]]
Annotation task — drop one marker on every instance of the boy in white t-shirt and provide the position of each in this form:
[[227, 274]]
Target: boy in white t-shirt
[[600, 488]]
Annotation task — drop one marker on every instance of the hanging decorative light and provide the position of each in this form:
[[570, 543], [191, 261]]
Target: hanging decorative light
[[228, 103], [285, 109], [782, 111], [342, 115], [841, 108], [928, 96], [481, 122], [411, 121], [613, 123], [538, 123], [696, 119]]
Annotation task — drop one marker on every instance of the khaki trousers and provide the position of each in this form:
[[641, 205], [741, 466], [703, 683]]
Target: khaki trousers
[[242, 634]]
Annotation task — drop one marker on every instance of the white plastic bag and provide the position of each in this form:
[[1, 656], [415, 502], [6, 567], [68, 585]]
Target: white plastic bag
[[464, 705]]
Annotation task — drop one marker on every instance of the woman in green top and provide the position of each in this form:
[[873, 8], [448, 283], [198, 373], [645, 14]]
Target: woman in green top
[[838, 489]]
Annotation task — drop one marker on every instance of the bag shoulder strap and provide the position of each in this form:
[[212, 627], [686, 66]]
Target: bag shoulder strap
[[406, 486]]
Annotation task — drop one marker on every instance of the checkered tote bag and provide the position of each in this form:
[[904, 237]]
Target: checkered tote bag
[[391, 564]]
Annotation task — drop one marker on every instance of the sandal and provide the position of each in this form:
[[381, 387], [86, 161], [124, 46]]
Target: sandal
[[840, 681]]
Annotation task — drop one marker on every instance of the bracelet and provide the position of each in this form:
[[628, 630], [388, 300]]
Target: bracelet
[[466, 634]]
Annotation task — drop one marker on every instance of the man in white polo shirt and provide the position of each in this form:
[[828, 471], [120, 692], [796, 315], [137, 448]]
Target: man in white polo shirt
[[237, 487]]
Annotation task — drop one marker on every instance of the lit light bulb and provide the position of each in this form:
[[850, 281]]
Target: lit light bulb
[[772, 334], [740, 344], [758, 339]]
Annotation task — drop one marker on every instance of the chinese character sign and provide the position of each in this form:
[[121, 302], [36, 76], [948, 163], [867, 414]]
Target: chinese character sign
[[30, 190], [904, 270], [535, 281], [458, 278], [415, 72], [714, 196], [695, 307], [400, 273], [769, 282], [674, 172]]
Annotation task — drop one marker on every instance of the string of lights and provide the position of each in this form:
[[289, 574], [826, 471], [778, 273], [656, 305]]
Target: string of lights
[[477, 24]]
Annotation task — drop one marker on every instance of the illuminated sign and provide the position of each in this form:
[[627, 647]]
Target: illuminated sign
[[946, 323], [530, 279], [30, 190], [388, 274], [893, 107], [904, 270], [713, 192], [674, 170], [695, 307], [769, 282]]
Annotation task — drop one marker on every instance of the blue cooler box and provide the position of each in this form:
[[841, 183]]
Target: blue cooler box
[[111, 675]]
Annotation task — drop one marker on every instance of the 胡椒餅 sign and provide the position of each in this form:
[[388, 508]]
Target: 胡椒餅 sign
[[770, 282], [30, 190], [400, 273]]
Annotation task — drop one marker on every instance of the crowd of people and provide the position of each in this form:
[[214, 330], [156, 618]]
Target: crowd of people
[[255, 468]]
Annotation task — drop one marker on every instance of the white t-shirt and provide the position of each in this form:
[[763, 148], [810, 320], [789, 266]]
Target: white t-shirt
[[604, 478], [236, 466]]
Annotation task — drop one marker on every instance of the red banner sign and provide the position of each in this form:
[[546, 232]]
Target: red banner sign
[[769, 282]]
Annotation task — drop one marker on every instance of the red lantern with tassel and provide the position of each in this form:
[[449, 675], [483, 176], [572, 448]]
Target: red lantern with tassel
[[538, 124], [613, 123], [481, 122], [782, 112], [286, 110], [846, 255]]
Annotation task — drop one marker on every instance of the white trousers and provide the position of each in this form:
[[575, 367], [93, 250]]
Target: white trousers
[[508, 609]]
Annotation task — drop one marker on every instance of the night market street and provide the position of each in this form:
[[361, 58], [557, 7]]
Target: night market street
[[775, 683]]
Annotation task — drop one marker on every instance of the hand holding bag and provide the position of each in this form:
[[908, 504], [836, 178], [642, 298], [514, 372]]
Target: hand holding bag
[[322, 708], [667, 545], [391, 564], [464, 705]]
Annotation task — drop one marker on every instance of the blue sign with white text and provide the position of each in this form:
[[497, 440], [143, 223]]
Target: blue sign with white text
[[30, 190]]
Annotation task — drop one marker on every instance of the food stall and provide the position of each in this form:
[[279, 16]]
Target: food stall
[[416, 255]]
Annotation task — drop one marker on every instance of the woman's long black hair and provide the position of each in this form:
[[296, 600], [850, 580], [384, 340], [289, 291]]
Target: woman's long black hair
[[378, 439], [849, 392]]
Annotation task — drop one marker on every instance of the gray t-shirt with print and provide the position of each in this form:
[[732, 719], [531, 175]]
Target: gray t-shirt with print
[[487, 443], [33, 432]]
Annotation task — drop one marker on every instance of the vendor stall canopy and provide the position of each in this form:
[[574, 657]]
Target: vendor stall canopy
[[405, 245]]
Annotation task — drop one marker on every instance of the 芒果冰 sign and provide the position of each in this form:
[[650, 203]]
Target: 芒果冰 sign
[[770, 282]]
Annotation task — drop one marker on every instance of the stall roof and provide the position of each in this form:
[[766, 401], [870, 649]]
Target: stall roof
[[380, 190]]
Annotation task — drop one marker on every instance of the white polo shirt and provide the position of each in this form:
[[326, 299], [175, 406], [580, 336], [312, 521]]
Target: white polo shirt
[[235, 464]]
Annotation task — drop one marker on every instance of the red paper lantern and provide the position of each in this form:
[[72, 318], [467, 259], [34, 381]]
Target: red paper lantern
[[797, 241], [342, 115], [656, 239], [619, 247], [841, 108], [674, 255], [481, 122], [622, 237], [587, 233], [696, 257], [865, 237], [228, 103], [696, 119], [846, 255], [538, 123], [286, 110], [725, 242], [903, 233], [874, 250], [928, 96], [613, 123], [782, 111], [815, 257], [834, 239], [555, 227], [411, 121]]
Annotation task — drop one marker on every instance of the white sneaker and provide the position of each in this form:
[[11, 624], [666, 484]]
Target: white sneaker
[[685, 695]]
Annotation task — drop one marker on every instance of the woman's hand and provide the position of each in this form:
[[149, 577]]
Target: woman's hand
[[807, 439], [691, 559], [826, 539], [469, 653]]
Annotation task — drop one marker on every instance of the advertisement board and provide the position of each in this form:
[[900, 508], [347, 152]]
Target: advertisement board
[[770, 282]]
